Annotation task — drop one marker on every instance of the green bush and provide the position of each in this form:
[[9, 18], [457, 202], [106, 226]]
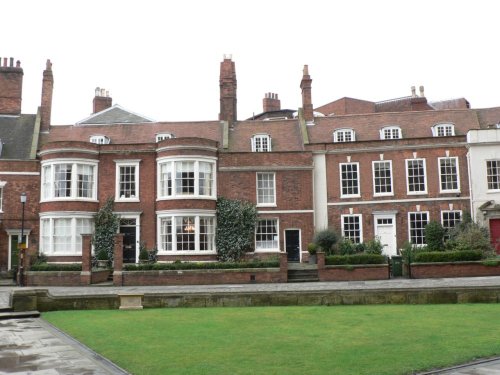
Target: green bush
[[374, 246], [434, 236], [346, 247], [355, 259], [326, 239], [447, 256], [312, 248], [202, 266], [235, 231], [56, 267], [470, 236], [106, 225]]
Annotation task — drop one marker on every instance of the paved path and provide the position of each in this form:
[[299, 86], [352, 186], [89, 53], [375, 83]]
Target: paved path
[[31, 346]]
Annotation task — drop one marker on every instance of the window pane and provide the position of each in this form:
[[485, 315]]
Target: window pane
[[207, 233], [351, 228], [493, 174], [416, 175], [83, 226], [184, 178], [266, 236], [265, 188], [349, 176], [85, 180], [62, 236], [418, 221], [449, 173], [382, 177], [166, 179], [127, 182], [62, 180], [166, 233], [205, 178], [185, 230]]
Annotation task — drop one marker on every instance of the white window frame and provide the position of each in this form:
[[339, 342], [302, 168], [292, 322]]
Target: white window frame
[[343, 219], [127, 163], [441, 175], [384, 194], [443, 130], [197, 215], [2, 186], [358, 182], [49, 218], [391, 130], [260, 189], [162, 194], [48, 179], [100, 139], [341, 135], [423, 228], [163, 136], [275, 242], [258, 143], [407, 161], [495, 183]]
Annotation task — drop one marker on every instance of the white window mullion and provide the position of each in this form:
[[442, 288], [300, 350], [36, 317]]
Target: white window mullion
[[196, 169], [197, 233]]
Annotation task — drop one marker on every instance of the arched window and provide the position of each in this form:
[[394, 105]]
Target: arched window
[[443, 130], [390, 132], [344, 135]]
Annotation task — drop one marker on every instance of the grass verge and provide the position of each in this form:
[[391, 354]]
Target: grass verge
[[385, 339]]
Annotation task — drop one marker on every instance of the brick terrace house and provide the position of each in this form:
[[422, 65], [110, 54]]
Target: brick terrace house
[[366, 169]]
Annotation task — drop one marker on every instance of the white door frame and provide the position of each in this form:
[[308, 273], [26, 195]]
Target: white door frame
[[16, 232], [386, 215]]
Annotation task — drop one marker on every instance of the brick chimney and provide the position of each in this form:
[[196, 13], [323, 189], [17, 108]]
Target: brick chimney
[[11, 86], [306, 85], [102, 100], [47, 89], [271, 102], [227, 83]]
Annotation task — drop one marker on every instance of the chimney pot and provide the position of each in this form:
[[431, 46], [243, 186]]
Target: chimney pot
[[11, 62], [413, 92], [97, 91], [5, 61], [422, 91]]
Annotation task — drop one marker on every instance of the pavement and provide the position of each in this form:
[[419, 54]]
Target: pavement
[[33, 346]]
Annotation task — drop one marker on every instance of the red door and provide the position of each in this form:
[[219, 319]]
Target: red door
[[495, 234]]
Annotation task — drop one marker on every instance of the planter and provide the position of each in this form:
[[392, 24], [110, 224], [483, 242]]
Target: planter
[[313, 259], [102, 264]]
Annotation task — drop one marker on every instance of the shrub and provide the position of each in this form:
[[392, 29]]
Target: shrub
[[434, 236], [470, 236], [236, 222], [346, 246], [355, 259], [106, 225], [143, 252], [326, 239], [272, 263], [55, 267], [312, 248], [374, 246], [447, 256]]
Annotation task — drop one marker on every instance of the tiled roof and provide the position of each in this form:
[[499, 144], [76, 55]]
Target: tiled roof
[[114, 115], [16, 135]]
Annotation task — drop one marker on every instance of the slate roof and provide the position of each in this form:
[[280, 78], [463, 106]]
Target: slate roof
[[16, 135], [114, 115]]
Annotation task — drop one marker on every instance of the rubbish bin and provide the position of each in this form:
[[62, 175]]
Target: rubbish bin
[[397, 265]]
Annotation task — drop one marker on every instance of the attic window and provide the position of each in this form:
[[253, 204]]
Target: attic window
[[275, 118], [344, 135], [443, 130], [100, 139], [261, 143], [390, 132], [163, 136]]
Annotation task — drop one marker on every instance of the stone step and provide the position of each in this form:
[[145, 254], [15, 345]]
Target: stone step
[[19, 314], [303, 275], [303, 280]]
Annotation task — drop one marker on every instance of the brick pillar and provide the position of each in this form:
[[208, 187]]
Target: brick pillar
[[118, 260], [284, 266], [86, 274]]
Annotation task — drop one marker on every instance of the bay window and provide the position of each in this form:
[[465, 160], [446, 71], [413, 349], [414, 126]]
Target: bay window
[[183, 232], [61, 235], [69, 180]]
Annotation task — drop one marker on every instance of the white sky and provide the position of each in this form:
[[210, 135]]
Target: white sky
[[161, 59]]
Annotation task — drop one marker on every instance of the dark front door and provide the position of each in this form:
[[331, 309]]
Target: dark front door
[[495, 234], [292, 244], [129, 242]]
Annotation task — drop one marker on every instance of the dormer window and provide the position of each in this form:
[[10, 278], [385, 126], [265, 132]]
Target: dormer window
[[390, 132], [443, 130], [163, 136], [344, 135], [261, 143], [100, 139]]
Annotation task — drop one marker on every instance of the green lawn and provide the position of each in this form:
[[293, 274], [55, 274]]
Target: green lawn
[[382, 339]]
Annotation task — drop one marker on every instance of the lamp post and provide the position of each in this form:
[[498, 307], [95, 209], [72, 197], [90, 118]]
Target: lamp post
[[21, 243]]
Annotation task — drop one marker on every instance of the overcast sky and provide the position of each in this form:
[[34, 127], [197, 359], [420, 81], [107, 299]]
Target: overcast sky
[[161, 59]]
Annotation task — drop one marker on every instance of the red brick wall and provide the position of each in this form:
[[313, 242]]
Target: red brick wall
[[354, 273], [458, 269], [11, 88]]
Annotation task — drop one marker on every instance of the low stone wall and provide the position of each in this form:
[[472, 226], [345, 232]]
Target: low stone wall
[[41, 300], [452, 269], [354, 272], [63, 278], [204, 277]]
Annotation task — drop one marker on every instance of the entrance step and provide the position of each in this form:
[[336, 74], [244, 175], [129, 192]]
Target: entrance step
[[302, 275], [104, 283], [18, 314]]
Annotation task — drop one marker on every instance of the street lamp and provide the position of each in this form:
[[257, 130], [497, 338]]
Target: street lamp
[[21, 243]]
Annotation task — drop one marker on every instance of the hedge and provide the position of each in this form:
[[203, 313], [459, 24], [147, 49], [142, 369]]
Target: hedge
[[355, 259], [55, 267], [200, 266], [447, 256]]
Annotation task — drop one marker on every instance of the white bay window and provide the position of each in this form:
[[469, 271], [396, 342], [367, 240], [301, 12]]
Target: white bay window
[[61, 234]]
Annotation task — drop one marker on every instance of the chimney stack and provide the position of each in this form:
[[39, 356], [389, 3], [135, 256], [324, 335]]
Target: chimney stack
[[11, 87], [306, 85], [422, 92], [47, 89], [413, 92], [227, 84], [102, 100], [271, 102]]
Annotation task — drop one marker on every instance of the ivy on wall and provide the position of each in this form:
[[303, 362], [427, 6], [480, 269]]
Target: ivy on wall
[[106, 225], [236, 222]]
